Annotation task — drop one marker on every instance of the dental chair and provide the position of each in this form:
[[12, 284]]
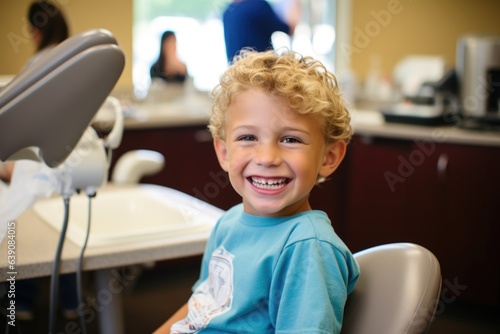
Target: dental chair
[[47, 107], [397, 292]]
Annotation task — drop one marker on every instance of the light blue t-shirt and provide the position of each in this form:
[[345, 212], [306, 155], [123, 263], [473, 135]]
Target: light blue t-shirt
[[271, 275]]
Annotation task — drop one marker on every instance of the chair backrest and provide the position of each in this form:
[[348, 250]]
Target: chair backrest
[[397, 292], [52, 101]]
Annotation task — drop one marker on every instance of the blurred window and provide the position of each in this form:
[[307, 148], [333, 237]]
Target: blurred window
[[200, 36]]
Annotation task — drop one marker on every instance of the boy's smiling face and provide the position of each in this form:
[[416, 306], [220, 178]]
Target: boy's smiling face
[[273, 156]]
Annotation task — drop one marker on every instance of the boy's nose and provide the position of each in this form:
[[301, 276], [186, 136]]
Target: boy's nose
[[267, 155]]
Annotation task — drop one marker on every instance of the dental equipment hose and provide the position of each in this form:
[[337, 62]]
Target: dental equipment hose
[[79, 283], [54, 281]]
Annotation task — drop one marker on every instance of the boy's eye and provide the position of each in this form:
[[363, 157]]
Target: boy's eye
[[246, 138], [291, 140]]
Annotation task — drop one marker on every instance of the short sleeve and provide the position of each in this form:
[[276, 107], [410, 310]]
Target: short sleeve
[[310, 287]]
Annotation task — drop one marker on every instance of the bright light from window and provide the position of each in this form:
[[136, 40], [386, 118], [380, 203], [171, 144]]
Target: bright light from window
[[323, 39], [199, 45], [200, 37]]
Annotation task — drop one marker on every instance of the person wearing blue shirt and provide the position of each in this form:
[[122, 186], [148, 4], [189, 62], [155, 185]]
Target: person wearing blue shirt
[[251, 23], [273, 264]]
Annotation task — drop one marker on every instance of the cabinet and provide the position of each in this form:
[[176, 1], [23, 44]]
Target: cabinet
[[441, 195]]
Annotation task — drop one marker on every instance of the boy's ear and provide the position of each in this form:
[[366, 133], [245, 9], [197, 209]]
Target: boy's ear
[[221, 152], [334, 155]]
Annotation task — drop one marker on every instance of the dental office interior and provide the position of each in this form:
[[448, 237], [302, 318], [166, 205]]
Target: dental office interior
[[421, 81]]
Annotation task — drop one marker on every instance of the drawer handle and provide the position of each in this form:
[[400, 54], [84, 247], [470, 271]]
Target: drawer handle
[[203, 136], [442, 168]]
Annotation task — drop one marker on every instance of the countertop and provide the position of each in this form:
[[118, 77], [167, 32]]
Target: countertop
[[372, 123]]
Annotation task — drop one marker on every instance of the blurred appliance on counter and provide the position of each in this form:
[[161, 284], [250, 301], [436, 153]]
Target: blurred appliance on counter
[[478, 75], [413, 71], [427, 92]]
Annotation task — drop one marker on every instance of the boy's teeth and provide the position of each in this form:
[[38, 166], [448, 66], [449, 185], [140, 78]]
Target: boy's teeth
[[268, 183]]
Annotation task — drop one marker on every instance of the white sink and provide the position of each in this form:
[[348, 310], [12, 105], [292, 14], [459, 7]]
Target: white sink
[[130, 214]]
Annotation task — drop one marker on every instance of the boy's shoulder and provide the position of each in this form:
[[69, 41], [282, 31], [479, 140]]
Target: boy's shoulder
[[313, 224]]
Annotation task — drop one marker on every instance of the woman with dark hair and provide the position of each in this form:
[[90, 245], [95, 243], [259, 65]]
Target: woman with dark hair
[[168, 66], [48, 26]]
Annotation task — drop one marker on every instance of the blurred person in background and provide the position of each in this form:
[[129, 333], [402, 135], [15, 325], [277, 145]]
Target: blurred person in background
[[48, 27], [168, 66], [251, 23]]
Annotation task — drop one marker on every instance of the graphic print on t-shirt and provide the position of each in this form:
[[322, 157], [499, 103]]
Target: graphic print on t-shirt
[[212, 297]]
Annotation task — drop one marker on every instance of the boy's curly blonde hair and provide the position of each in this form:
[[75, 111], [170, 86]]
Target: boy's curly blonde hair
[[304, 82]]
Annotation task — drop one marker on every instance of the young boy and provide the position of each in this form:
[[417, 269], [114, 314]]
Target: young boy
[[272, 264]]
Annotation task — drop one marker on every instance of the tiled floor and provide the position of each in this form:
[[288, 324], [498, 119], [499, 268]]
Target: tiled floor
[[157, 293]]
